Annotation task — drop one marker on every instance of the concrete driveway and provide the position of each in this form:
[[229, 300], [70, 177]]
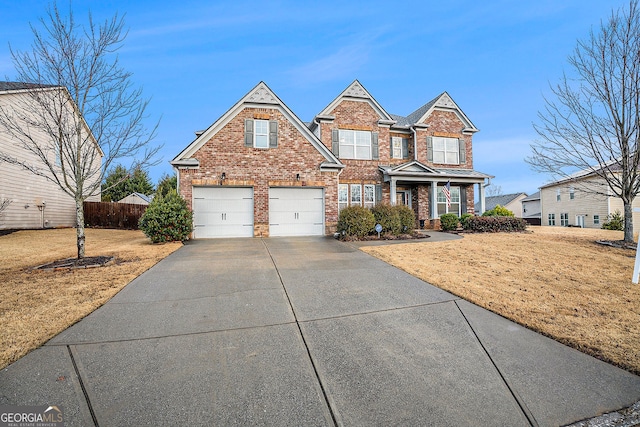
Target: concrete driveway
[[304, 332]]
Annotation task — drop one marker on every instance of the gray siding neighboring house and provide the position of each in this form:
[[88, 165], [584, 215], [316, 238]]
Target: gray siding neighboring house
[[509, 201], [36, 201], [136, 199], [531, 209], [571, 203]]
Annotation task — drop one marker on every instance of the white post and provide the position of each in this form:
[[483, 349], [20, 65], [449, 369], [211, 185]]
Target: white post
[[392, 191], [482, 200], [636, 266], [434, 199]]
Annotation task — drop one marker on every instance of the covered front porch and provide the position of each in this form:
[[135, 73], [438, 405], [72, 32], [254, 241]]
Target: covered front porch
[[421, 188]]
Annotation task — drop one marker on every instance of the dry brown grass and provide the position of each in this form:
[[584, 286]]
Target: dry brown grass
[[554, 280], [37, 305]]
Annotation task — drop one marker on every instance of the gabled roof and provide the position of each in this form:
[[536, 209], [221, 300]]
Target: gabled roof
[[414, 170], [442, 102], [502, 200], [356, 92], [140, 195], [260, 96], [14, 86], [535, 196]]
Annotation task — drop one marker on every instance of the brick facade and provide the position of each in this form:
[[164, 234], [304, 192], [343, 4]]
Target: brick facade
[[303, 158]]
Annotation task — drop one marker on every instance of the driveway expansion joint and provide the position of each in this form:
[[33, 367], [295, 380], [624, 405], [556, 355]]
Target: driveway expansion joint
[[521, 404], [84, 390]]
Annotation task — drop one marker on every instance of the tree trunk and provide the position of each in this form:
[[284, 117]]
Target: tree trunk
[[80, 227], [628, 222]]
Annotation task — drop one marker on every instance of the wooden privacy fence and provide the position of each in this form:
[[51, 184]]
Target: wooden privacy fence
[[112, 214]]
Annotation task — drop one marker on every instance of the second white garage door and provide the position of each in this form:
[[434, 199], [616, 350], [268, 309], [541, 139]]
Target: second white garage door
[[222, 212], [296, 212]]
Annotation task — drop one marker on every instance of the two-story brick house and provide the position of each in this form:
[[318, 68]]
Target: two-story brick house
[[260, 171]]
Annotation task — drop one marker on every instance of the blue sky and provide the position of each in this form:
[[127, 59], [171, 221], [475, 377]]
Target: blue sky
[[195, 59]]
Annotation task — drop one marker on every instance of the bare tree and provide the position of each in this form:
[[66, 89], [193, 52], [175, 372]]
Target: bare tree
[[4, 204], [592, 128], [494, 190], [80, 111]]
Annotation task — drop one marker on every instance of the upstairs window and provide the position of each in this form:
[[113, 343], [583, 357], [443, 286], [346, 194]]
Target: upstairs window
[[399, 147], [446, 151], [355, 144], [261, 134]]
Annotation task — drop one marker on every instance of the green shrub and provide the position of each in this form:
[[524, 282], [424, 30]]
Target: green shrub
[[356, 221], [495, 224], [388, 218], [167, 219], [407, 218], [448, 222], [498, 211], [464, 220], [614, 221]]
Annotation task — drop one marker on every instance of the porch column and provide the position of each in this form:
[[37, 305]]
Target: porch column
[[433, 205], [392, 191], [481, 198]]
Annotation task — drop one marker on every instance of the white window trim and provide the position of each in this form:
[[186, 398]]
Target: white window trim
[[371, 203], [343, 145], [446, 153], [447, 209], [396, 144], [351, 193], [345, 202], [551, 218], [256, 134]]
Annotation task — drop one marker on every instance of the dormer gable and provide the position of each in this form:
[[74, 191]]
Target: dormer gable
[[354, 92], [442, 102]]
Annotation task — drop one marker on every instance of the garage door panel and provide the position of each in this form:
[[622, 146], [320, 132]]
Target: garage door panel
[[222, 212], [296, 212]]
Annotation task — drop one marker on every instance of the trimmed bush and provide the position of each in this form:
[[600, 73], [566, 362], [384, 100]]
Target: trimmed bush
[[407, 218], [495, 224], [614, 221], [448, 222], [498, 211], [356, 221], [388, 218], [167, 219], [464, 220]]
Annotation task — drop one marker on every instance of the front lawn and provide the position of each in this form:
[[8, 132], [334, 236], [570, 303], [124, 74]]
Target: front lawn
[[37, 305], [554, 280]]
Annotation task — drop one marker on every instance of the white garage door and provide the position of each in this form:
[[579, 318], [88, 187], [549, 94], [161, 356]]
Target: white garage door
[[296, 211], [222, 212]]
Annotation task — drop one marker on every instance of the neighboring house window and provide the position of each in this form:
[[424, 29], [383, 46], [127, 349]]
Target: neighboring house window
[[455, 201], [399, 147], [596, 219], [56, 148], [572, 194], [558, 195], [343, 196], [369, 196], [552, 219], [261, 134], [356, 195], [564, 219], [355, 144], [446, 150]]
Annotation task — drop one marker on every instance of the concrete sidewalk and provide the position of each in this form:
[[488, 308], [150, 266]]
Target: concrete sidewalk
[[305, 331]]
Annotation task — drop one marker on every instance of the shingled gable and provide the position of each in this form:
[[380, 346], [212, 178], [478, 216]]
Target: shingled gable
[[354, 92], [442, 102], [260, 96]]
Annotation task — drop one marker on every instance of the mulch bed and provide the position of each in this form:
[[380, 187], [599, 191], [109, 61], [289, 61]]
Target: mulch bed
[[384, 236], [72, 263]]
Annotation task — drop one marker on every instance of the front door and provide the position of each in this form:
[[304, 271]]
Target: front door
[[580, 221], [403, 197]]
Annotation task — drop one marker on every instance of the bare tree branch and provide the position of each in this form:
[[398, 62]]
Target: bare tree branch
[[591, 125], [80, 111]]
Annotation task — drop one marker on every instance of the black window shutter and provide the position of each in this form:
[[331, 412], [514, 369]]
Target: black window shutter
[[248, 133], [405, 148], [375, 152], [378, 194], [335, 142], [391, 148], [273, 134], [463, 151], [430, 149]]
